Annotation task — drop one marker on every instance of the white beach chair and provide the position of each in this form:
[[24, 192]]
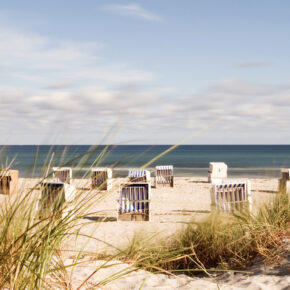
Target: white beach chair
[[284, 181], [101, 178], [138, 175], [8, 181], [217, 172], [56, 198], [134, 202], [164, 175], [231, 196], [62, 174]]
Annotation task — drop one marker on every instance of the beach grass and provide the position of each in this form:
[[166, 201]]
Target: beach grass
[[219, 242], [32, 244]]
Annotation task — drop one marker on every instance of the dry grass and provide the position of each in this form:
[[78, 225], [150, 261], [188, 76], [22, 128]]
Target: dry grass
[[31, 244], [219, 242]]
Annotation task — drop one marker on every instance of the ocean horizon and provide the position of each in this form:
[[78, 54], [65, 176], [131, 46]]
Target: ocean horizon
[[188, 160]]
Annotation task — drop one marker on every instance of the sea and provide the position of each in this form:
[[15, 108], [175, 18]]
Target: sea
[[253, 161]]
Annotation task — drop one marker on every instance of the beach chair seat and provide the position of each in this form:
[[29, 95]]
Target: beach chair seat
[[232, 196], [134, 202], [284, 181], [8, 181], [62, 174], [164, 175], [217, 172], [56, 198], [101, 178], [138, 175]]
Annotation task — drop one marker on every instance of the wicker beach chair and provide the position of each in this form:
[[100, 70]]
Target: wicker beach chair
[[134, 202], [101, 178], [231, 196], [284, 181], [56, 198], [164, 175], [62, 174], [8, 181], [136, 175], [217, 172]]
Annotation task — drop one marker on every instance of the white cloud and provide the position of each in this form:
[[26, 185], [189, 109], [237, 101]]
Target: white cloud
[[143, 113], [134, 10], [47, 84], [238, 87], [43, 81]]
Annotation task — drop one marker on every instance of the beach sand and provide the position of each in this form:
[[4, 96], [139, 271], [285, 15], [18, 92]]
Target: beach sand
[[170, 208]]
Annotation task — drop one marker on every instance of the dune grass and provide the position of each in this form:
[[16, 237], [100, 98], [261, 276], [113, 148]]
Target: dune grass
[[219, 242], [31, 244]]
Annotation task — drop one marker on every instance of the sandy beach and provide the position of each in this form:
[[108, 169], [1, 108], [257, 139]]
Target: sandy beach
[[170, 209]]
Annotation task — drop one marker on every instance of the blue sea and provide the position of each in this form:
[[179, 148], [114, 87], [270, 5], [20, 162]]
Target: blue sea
[[188, 160]]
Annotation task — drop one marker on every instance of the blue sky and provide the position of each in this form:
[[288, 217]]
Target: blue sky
[[156, 71]]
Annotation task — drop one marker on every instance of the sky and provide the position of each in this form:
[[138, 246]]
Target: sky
[[145, 72]]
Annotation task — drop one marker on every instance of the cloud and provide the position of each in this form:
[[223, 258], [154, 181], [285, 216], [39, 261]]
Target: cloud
[[241, 106], [57, 85], [43, 81], [144, 113], [134, 10], [238, 87], [42, 89]]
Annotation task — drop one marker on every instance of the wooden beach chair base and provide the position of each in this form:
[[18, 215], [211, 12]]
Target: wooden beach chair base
[[171, 184], [136, 217]]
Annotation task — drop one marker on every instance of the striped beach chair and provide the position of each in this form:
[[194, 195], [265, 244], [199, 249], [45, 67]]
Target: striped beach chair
[[101, 178], [136, 175], [62, 174], [134, 202], [217, 172], [284, 181], [164, 175], [8, 181], [232, 196], [54, 195]]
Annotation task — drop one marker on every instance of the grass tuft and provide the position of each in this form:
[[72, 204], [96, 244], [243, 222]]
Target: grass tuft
[[220, 242]]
